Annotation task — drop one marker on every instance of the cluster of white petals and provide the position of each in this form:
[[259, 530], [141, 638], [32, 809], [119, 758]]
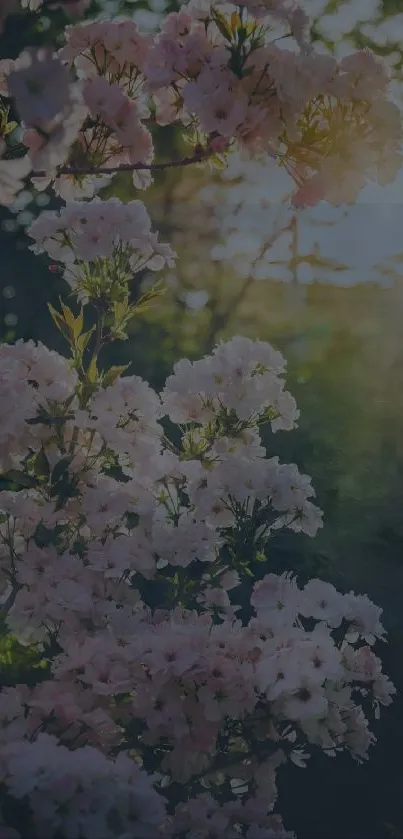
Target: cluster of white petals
[[241, 376], [81, 792], [50, 105], [100, 243]]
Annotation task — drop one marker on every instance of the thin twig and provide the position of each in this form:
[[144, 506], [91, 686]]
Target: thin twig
[[218, 318]]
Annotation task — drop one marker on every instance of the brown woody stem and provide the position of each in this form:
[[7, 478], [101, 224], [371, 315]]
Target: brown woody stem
[[126, 167]]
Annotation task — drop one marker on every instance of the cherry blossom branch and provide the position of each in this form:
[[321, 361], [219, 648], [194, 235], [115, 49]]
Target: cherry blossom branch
[[197, 157]]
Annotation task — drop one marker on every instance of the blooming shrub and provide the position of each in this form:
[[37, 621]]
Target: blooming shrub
[[104, 501], [163, 706], [109, 516]]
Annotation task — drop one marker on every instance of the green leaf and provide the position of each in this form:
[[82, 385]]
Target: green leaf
[[157, 291], [68, 315], [235, 22], [222, 25], [92, 372], [82, 340], [60, 323], [41, 465], [9, 128], [74, 323], [112, 374], [120, 309], [19, 478], [60, 469], [69, 325], [218, 162], [50, 421]]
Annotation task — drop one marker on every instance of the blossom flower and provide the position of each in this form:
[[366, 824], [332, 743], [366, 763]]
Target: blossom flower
[[36, 379], [279, 673], [50, 105], [50, 775], [47, 153], [369, 151], [322, 660], [40, 85], [181, 543], [366, 74], [276, 600], [364, 617], [324, 602], [362, 662], [101, 230], [118, 41], [306, 702], [220, 111], [248, 384]]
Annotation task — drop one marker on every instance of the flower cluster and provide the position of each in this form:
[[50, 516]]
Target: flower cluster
[[368, 148], [240, 376], [81, 792], [109, 58], [50, 105], [33, 380], [217, 71], [106, 517], [101, 243]]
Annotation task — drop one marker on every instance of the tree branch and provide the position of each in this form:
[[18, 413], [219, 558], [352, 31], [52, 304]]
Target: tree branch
[[197, 157]]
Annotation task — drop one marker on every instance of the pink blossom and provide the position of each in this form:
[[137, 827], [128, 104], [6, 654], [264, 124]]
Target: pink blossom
[[40, 85]]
